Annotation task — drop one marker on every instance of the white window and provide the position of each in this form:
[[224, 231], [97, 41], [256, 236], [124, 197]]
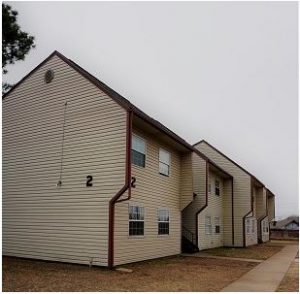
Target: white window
[[265, 227], [217, 187], [138, 152], [163, 222], [248, 226], [136, 220], [164, 162], [217, 225], [208, 225]]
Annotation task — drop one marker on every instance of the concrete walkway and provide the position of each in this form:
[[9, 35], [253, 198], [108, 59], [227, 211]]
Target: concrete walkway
[[266, 276]]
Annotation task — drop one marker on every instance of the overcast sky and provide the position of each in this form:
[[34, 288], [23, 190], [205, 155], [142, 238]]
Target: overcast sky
[[223, 72]]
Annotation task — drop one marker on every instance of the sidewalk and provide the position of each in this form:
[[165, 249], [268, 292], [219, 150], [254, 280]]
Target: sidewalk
[[267, 276]]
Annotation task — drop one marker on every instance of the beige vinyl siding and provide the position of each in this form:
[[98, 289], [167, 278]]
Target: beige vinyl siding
[[271, 208], [260, 202], [261, 208], [43, 221], [153, 191], [227, 212], [189, 214], [214, 209], [254, 201], [242, 188], [186, 180]]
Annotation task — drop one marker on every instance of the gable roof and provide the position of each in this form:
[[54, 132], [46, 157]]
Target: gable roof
[[122, 101], [232, 161], [284, 222]]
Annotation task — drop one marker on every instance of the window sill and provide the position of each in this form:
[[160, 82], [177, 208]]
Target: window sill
[[138, 166], [163, 235], [136, 236], [164, 175]]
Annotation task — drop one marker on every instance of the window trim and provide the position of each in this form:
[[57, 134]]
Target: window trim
[[143, 139], [132, 220], [158, 221], [169, 166]]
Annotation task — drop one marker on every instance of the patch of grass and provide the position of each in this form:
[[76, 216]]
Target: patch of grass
[[167, 274], [260, 251], [290, 282]]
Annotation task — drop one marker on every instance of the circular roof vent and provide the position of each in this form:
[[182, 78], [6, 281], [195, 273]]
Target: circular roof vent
[[49, 75]]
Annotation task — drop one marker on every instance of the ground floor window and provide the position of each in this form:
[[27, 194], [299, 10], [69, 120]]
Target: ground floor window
[[136, 220], [265, 227], [248, 226], [208, 225], [163, 222], [217, 225], [253, 226]]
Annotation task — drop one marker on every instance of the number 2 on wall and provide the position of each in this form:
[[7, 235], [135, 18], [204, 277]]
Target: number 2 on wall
[[89, 181]]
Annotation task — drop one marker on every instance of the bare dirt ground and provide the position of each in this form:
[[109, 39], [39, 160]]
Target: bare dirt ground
[[290, 282], [167, 274], [260, 251]]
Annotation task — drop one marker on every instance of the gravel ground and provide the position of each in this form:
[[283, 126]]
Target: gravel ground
[[167, 274], [290, 282]]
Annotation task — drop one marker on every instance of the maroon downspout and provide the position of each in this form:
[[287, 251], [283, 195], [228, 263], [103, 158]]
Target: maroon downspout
[[127, 186], [206, 200], [232, 212]]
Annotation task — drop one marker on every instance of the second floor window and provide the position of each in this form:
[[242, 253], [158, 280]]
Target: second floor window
[[217, 188], [164, 162], [138, 151]]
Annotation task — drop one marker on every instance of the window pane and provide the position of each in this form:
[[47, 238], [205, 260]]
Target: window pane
[[163, 215], [138, 158], [217, 229], [217, 220], [136, 228], [208, 225], [164, 156], [138, 144], [163, 169], [136, 213], [163, 228]]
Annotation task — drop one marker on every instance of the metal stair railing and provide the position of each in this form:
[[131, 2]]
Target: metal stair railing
[[189, 235]]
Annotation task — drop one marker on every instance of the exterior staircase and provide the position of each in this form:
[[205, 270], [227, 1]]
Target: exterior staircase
[[189, 242]]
